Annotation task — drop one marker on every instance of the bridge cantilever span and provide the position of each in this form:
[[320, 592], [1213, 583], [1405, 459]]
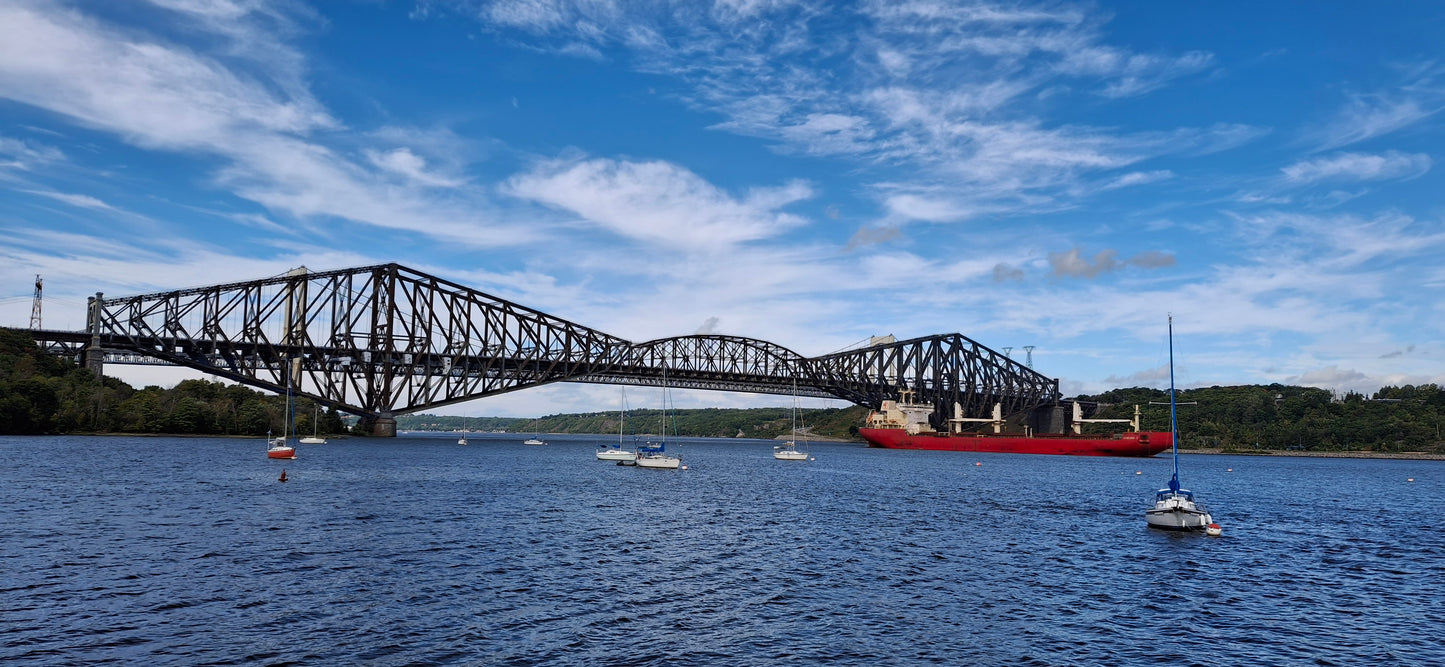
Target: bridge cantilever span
[[384, 340]]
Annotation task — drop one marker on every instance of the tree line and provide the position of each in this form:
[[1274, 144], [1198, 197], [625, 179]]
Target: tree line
[[766, 423], [1281, 417], [40, 393]]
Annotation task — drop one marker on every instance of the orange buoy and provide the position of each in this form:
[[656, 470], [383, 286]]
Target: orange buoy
[[282, 478], [979, 463], [1214, 530]]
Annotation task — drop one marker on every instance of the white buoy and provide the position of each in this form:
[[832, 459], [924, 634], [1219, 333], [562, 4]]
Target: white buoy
[[1410, 479], [1229, 470], [1138, 472], [1213, 530], [684, 467], [813, 459]]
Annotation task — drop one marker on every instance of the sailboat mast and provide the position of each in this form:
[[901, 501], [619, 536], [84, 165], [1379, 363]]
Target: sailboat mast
[[1173, 416]]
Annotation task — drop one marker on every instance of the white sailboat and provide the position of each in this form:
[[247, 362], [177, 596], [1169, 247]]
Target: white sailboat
[[1176, 508], [654, 454], [606, 452], [536, 438], [789, 451], [315, 438]]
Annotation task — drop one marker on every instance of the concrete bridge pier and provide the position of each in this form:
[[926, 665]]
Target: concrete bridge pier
[[380, 426], [94, 355]]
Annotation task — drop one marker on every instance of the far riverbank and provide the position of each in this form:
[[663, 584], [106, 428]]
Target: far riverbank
[[1421, 456]]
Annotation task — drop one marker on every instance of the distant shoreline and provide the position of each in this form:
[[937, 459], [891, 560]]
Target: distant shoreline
[[1414, 456]]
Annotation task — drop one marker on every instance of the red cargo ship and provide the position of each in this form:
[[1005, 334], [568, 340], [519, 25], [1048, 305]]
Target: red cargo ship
[[902, 425]]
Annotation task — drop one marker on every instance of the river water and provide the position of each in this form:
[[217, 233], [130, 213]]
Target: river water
[[188, 551]]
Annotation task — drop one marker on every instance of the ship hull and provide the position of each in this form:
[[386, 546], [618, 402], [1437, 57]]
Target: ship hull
[[1142, 445]]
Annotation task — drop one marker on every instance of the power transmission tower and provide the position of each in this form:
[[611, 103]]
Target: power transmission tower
[[35, 310], [1007, 350], [1029, 356]]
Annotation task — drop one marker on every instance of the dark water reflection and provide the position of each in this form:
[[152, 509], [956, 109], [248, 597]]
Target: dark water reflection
[[418, 551]]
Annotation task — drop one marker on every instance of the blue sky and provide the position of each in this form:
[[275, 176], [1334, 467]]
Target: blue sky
[[1058, 175]]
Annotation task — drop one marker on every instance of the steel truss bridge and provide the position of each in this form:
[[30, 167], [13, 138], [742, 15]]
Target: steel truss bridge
[[383, 340]]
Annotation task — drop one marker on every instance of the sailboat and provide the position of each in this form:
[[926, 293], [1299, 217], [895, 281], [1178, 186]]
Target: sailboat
[[615, 452], [654, 454], [1176, 508], [789, 451], [536, 437], [315, 438], [280, 448]]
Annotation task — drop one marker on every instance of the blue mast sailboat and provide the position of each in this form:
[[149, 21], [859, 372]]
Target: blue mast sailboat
[[1175, 508]]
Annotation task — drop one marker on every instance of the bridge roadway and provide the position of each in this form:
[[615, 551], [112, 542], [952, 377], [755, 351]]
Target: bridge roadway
[[384, 340]]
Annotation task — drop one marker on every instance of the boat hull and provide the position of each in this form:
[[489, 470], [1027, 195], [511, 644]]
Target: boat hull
[[281, 453], [1142, 444], [785, 454], [313, 441], [1177, 511], [658, 461], [1177, 519], [616, 455]]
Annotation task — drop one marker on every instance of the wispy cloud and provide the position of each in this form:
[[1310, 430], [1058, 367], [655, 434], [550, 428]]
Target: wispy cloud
[[1134, 178], [928, 86], [26, 155], [251, 111], [1358, 167], [1366, 116], [76, 200], [660, 202], [1337, 242]]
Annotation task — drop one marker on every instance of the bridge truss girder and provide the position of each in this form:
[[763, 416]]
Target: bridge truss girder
[[386, 339]]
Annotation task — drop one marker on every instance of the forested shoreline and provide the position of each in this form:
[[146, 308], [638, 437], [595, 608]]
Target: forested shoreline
[[41, 394]]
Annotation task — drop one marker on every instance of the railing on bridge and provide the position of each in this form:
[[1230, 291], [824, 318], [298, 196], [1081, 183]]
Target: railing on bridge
[[383, 340]]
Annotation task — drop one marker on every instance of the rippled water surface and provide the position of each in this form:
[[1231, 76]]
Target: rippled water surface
[[189, 551]]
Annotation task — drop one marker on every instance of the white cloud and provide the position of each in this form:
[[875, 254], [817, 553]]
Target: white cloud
[[930, 87], [1138, 178], [1127, 74], [161, 96], [659, 202], [1358, 167], [76, 200], [1369, 116], [26, 155], [405, 163]]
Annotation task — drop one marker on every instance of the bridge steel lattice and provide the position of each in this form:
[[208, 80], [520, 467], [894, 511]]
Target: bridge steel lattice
[[384, 340]]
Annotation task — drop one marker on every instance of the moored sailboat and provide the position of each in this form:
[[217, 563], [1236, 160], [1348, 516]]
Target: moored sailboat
[[281, 448], [315, 438], [1176, 508], [789, 451], [654, 454], [536, 438], [617, 452]]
